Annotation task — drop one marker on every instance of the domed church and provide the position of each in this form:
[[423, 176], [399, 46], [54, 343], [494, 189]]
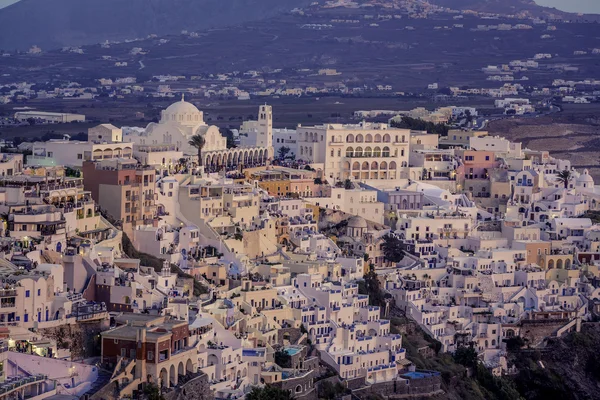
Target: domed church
[[182, 120]]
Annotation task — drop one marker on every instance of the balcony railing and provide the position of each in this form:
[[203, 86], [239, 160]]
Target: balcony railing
[[362, 155]]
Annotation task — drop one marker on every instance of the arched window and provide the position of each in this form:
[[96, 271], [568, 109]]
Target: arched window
[[350, 138], [369, 138], [383, 165], [374, 165], [356, 166], [386, 152], [386, 138], [378, 138], [368, 152], [377, 152], [349, 152], [393, 165], [365, 166], [359, 138], [358, 152]]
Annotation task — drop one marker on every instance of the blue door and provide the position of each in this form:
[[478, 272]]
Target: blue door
[[58, 247], [46, 315], [39, 316]]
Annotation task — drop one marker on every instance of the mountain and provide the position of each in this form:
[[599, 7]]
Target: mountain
[[525, 7], [57, 23]]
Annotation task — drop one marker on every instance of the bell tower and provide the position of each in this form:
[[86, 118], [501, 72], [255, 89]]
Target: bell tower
[[265, 127]]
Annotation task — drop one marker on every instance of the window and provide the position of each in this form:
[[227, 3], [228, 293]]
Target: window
[[80, 156], [39, 292], [150, 355], [487, 158], [26, 318], [27, 293]]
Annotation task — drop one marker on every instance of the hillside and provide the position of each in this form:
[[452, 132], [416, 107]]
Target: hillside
[[57, 23], [567, 368], [508, 7]]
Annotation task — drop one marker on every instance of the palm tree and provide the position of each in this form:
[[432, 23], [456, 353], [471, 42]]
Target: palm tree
[[198, 142], [564, 177]]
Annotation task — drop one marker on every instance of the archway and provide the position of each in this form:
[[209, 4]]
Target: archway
[[189, 366], [164, 378], [173, 376], [180, 369]]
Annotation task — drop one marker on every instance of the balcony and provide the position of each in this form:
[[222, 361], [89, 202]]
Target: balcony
[[363, 155]]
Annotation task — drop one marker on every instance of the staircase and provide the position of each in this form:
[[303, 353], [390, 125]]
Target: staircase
[[103, 380]]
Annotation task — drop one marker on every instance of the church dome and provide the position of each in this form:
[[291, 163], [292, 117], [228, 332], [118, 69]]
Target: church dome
[[585, 178], [182, 107], [183, 113], [357, 222]]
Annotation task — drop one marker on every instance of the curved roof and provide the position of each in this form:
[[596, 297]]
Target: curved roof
[[585, 177], [182, 107], [357, 222]]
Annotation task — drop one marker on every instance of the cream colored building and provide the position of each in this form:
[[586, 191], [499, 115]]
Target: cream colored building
[[366, 151], [182, 120]]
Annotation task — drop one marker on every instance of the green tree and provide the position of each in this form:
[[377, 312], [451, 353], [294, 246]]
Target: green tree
[[421, 125], [152, 392], [393, 248], [228, 133], [268, 392], [467, 356], [283, 152], [348, 184], [283, 359], [564, 177], [371, 286], [198, 142]]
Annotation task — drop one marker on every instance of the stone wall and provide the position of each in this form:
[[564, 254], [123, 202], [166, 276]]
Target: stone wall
[[425, 386], [356, 382], [300, 387], [311, 363], [294, 335], [536, 331], [195, 389], [81, 338]]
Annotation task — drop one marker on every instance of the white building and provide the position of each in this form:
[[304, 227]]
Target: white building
[[49, 117], [366, 151]]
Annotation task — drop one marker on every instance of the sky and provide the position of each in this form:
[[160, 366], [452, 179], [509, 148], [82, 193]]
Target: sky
[[4, 3], [579, 6]]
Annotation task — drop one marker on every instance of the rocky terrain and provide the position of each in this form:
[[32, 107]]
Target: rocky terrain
[[571, 134], [57, 23]]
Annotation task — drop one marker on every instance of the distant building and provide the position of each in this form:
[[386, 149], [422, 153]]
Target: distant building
[[49, 117]]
